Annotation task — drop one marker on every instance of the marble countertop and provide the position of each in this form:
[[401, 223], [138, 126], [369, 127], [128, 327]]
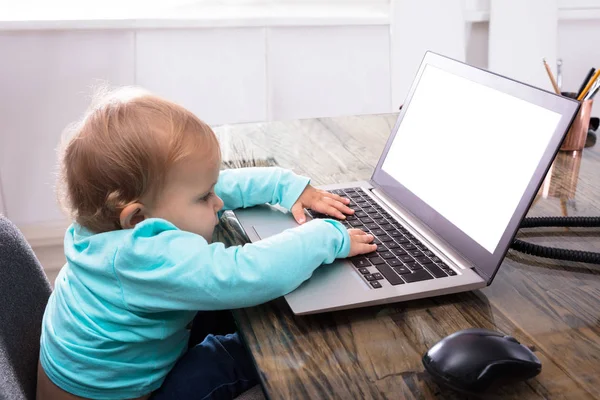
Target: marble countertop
[[331, 149]]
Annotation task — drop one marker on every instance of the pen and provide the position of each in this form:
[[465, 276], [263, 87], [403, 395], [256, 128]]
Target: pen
[[585, 81]]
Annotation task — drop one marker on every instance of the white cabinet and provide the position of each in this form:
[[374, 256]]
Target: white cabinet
[[219, 74], [328, 71], [46, 79]]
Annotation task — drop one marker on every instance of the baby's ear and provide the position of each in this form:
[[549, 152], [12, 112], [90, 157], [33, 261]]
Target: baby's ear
[[132, 215]]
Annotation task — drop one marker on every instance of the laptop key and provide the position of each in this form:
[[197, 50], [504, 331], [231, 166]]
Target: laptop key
[[415, 253], [423, 260], [387, 227], [436, 259], [408, 246], [361, 214], [370, 210], [386, 239], [376, 242], [387, 254], [398, 252], [360, 262], [417, 276], [365, 220], [375, 284], [369, 277], [414, 266], [428, 253], [376, 260], [450, 272], [402, 270], [395, 233], [381, 248], [378, 232], [389, 274], [377, 276], [378, 219], [393, 262], [406, 258], [356, 223], [364, 271], [401, 240], [372, 225], [392, 245], [435, 270]]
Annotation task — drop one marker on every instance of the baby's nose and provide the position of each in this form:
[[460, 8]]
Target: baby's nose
[[219, 205]]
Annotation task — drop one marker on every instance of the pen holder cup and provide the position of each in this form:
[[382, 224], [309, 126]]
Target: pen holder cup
[[575, 139]]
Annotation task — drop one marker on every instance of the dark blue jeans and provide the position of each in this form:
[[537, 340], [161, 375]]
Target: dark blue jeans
[[219, 367]]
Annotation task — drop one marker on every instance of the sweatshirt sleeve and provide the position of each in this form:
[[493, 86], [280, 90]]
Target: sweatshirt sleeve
[[161, 268], [247, 187]]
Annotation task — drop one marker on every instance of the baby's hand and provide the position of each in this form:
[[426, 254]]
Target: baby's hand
[[321, 201], [360, 242]]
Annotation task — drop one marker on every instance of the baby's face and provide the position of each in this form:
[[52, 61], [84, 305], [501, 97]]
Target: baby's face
[[188, 199]]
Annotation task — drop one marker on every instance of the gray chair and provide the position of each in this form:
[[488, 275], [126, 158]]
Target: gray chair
[[24, 292]]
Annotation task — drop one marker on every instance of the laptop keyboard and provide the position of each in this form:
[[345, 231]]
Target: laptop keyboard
[[400, 258]]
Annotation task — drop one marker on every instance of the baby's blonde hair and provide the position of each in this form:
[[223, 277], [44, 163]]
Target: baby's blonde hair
[[122, 150]]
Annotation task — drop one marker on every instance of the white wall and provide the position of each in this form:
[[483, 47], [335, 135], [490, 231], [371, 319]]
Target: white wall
[[572, 34], [45, 81], [578, 56], [521, 35], [327, 71], [219, 74]]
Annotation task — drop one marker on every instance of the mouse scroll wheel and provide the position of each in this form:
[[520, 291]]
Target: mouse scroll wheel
[[512, 339]]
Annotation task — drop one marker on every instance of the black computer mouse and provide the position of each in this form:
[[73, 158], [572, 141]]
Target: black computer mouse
[[476, 360]]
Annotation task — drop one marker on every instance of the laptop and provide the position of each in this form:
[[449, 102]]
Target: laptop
[[458, 173]]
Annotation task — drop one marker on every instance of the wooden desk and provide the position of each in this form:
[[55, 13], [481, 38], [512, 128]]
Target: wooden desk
[[375, 352]]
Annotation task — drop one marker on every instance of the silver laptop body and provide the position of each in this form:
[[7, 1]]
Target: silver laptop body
[[444, 178]]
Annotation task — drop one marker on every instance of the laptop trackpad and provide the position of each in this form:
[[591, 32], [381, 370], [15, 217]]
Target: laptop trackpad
[[267, 230]]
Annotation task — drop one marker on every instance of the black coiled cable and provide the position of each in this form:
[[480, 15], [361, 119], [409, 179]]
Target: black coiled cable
[[554, 252]]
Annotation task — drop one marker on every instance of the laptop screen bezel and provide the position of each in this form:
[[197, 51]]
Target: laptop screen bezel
[[486, 264]]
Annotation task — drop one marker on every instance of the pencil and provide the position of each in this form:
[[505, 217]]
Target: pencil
[[554, 85], [585, 81], [589, 85]]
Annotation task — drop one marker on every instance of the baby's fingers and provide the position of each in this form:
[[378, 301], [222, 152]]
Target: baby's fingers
[[356, 232], [361, 248], [362, 238]]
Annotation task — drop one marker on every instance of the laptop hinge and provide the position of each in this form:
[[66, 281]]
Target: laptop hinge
[[421, 231]]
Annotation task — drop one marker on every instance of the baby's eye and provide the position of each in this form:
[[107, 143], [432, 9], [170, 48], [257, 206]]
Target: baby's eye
[[206, 196]]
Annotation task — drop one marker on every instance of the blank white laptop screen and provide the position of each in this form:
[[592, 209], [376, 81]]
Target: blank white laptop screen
[[469, 151]]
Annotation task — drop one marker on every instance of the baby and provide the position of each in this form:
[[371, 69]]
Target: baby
[[142, 181]]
